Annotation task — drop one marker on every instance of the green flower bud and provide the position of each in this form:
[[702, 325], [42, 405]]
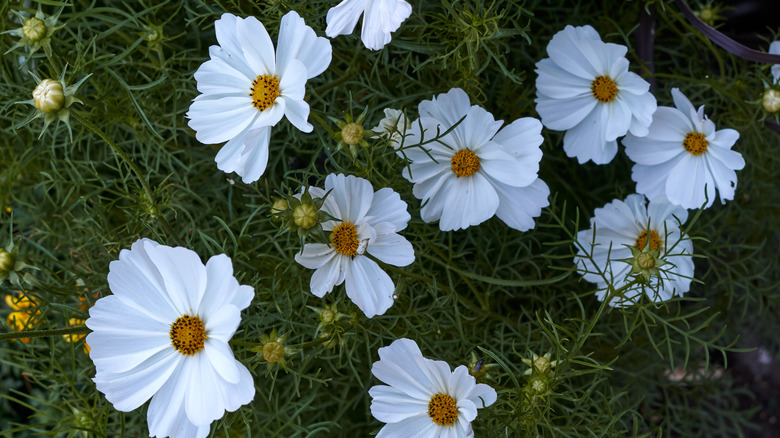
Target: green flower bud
[[34, 29], [49, 96], [7, 261], [305, 216], [352, 133], [771, 100]]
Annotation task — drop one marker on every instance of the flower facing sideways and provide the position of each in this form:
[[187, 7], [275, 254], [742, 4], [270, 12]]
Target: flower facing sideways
[[476, 170], [164, 334], [683, 157], [423, 398], [246, 88], [367, 222], [380, 19], [630, 231], [393, 126], [585, 89]]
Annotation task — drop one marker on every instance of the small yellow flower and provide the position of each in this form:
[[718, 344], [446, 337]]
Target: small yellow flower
[[24, 315]]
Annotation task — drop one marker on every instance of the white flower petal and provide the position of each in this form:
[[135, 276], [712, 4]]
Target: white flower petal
[[328, 275], [343, 17], [387, 206], [469, 201], [221, 359], [222, 323], [518, 206], [203, 400], [353, 196], [220, 120], [298, 41], [392, 249], [166, 414], [368, 286], [389, 405], [381, 18], [417, 426], [127, 390], [259, 55], [255, 154], [184, 276]]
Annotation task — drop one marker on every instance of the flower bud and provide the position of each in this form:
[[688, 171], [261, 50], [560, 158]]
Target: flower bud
[[34, 29], [305, 216], [645, 260], [49, 96], [771, 100], [352, 133], [279, 206], [6, 260], [273, 352]]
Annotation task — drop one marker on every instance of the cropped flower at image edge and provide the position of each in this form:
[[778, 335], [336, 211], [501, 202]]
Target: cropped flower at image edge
[[164, 334], [423, 398]]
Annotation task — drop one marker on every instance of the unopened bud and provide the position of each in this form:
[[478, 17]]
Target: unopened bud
[[273, 352], [352, 133], [49, 96], [771, 100], [34, 29], [645, 260], [305, 216], [6, 260], [279, 206]]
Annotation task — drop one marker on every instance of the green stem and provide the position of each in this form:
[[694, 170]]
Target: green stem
[[78, 330], [147, 189]]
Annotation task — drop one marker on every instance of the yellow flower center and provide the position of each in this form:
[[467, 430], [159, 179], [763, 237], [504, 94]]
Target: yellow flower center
[[344, 239], [695, 143], [188, 335], [655, 241], [265, 90], [604, 89], [443, 409], [465, 163]]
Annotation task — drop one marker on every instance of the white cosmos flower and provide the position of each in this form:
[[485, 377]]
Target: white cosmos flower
[[246, 88], [478, 169], [683, 154], [585, 89], [380, 18], [393, 126], [774, 49], [424, 398], [368, 223], [620, 225], [164, 334]]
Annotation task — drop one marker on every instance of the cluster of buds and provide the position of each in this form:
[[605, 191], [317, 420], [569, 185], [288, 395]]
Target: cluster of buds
[[24, 315], [333, 324], [273, 351], [541, 373], [351, 133], [303, 215]]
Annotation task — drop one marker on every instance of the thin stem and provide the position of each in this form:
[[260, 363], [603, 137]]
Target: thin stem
[[77, 330], [147, 189]]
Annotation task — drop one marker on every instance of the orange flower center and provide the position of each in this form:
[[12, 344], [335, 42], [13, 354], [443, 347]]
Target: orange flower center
[[264, 91], [695, 143], [604, 89], [344, 239], [188, 334], [655, 241], [443, 409], [465, 163]]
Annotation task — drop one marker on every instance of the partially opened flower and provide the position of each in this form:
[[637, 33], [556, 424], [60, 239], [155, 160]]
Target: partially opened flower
[[476, 170], [380, 19], [246, 88], [393, 127], [585, 89], [423, 398], [367, 222], [683, 157], [164, 334], [629, 230]]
